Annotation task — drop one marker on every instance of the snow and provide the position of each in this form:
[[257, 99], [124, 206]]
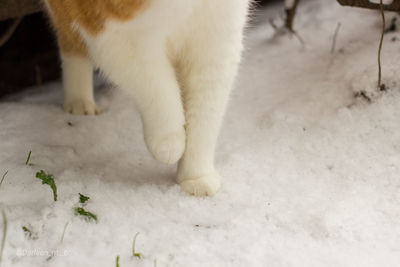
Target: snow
[[311, 173]]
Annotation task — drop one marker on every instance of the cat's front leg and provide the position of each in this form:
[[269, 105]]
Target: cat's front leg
[[208, 80], [141, 67], [78, 84]]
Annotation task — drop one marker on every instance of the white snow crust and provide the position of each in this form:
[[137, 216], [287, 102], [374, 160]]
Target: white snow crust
[[311, 172]]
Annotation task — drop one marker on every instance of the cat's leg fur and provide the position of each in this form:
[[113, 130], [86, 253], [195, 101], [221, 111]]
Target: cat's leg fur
[[206, 95], [211, 64], [141, 67], [77, 73]]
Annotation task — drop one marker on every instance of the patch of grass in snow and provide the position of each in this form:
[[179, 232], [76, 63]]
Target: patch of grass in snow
[[134, 253], [83, 199], [117, 261], [28, 158], [87, 214], [82, 212], [4, 176], [48, 179]]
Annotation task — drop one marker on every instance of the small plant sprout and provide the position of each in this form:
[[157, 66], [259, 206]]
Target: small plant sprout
[[117, 261], [83, 199], [4, 176], [134, 253], [29, 157], [48, 179], [88, 215], [82, 212]]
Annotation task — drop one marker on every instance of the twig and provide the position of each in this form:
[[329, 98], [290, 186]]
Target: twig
[[290, 10], [394, 6], [335, 37], [298, 37], [10, 31], [380, 45], [283, 30], [363, 95], [273, 25]]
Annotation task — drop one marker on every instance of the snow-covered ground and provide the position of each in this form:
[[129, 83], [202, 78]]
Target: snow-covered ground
[[311, 173]]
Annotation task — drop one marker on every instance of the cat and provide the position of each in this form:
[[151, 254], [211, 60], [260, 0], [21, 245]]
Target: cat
[[177, 59]]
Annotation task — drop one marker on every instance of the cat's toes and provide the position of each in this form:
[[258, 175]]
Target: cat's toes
[[206, 185], [168, 149], [81, 107]]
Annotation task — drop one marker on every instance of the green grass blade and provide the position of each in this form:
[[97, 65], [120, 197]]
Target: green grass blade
[[4, 176], [134, 253], [3, 239], [29, 157], [117, 261], [87, 214], [83, 199], [63, 234], [48, 179]]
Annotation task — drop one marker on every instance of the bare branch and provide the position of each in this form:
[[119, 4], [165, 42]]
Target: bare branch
[[290, 10], [380, 86], [394, 6]]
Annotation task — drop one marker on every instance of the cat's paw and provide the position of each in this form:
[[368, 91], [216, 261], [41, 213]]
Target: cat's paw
[[206, 185], [169, 148], [81, 107]]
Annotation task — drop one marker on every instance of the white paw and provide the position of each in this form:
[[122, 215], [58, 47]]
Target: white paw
[[81, 107], [169, 148], [206, 185]]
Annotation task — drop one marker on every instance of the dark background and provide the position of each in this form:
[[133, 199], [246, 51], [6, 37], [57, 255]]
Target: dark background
[[30, 56]]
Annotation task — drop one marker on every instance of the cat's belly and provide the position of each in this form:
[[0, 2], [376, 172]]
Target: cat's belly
[[175, 24], [160, 20]]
